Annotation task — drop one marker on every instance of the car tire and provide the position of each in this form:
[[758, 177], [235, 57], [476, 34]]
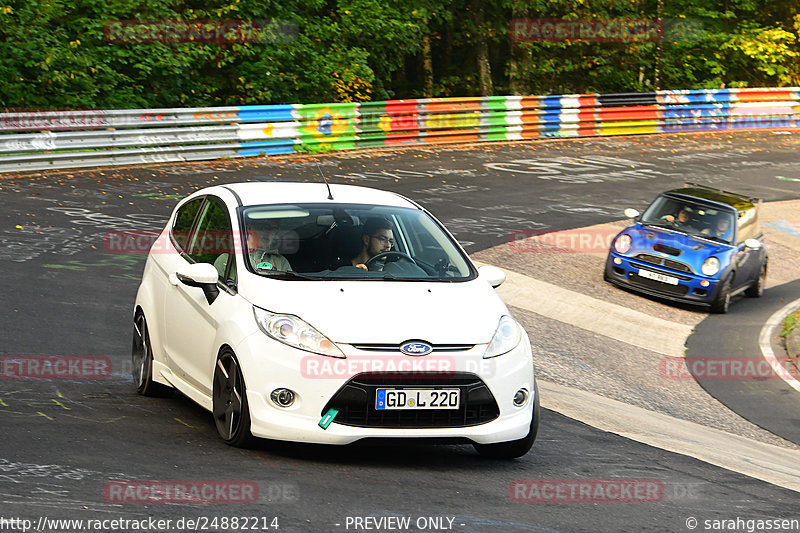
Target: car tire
[[142, 360], [757, 288], [229, 396], [723, 299], [514, 448]]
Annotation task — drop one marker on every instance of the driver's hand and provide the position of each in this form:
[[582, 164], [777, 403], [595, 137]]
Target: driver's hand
[[362, 265]]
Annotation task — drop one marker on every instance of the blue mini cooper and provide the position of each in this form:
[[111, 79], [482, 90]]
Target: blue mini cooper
[[696, 244]]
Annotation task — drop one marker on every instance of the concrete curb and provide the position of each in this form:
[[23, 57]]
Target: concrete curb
[[793, 345]]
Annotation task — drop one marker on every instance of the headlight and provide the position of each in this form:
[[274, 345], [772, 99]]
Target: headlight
[[710, 266], [623, 243], [291, 330], [506, 338]]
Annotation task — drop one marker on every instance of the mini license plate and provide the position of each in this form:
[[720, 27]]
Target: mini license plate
[[389, 399], [658, 277]]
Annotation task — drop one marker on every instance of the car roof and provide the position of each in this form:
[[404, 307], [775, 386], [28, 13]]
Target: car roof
[[734, 200], [282, 192]]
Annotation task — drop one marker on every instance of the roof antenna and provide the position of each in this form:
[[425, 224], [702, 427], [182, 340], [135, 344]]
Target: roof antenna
[[330, 195]]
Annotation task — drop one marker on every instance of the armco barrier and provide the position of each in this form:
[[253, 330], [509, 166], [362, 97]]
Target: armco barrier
[[88, 138]]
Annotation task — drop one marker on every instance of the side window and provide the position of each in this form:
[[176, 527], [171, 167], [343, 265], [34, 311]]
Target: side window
[[748, 225], [213, 241], [183, 222]]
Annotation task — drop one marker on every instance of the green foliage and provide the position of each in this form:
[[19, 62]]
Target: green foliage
[[59, 54], [790, 322]]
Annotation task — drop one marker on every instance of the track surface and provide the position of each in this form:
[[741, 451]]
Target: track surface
[[63, 294], [768, 402]]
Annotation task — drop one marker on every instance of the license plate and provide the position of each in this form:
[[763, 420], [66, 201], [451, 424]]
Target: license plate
[[390, 399], [658, 277]]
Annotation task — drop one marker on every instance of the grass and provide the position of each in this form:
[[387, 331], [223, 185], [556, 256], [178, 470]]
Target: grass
[[791, 321]]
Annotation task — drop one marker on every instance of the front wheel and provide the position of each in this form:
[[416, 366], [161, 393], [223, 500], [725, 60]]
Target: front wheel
[[757, 288], [230, 408], [723, 299], [514, 448]]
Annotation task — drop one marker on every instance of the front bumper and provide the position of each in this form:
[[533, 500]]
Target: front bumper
[[318, 383], [690, 287]]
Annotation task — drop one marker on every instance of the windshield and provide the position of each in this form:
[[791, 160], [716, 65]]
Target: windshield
[[692, 218], [336, 241]]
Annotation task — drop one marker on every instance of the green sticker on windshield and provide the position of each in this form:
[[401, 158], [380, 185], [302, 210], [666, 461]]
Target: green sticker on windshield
[[265, 266]]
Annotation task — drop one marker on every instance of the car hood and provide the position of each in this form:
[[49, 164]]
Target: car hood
[[385, 312], [674, 245]]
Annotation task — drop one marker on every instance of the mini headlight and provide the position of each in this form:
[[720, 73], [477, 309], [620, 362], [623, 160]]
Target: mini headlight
[[506, 338], [710, 266], [623, 243], [294, 332]]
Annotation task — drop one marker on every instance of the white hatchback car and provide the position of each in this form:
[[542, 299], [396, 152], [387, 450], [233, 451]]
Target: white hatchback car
[[328, 314]]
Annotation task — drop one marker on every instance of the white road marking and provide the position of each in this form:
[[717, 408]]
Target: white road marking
[[766, 348], [766, 462]]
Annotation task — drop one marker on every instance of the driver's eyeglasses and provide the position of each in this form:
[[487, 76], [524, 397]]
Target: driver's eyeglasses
[[384, 239]]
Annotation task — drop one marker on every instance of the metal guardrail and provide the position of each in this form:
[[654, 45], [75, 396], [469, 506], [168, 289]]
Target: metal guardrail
[[71, 139]]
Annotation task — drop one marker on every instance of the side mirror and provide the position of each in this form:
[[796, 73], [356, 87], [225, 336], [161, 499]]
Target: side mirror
[[202, 275], [491, 274], [631, 213], [753, 244]]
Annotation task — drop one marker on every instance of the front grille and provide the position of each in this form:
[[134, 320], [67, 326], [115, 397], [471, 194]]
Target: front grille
[[679, 290], [663, 261], [356, 402], [396, 347]]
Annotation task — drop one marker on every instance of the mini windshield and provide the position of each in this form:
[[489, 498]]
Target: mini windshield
[[336, 241], [691, 218]]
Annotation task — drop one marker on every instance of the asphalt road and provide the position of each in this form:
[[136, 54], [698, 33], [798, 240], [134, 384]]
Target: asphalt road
[[63, 294], [757, 394]]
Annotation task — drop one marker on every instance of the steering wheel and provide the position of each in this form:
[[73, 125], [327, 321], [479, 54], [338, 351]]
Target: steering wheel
[[400, 255]]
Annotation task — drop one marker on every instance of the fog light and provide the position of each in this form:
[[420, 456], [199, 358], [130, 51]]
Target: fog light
[[617, 261], [521, 397], [282, 397], [704, 283]]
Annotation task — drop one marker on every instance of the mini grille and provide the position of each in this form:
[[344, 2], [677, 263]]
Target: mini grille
[[663, 261]]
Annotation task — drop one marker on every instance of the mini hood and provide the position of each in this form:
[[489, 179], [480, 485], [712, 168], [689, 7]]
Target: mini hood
[[674, 245]]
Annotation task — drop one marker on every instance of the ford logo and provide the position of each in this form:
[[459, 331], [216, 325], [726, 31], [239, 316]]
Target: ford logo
[[416, 348]]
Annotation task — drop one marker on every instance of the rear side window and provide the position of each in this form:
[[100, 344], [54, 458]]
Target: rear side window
[[184, 221], [748, 225]]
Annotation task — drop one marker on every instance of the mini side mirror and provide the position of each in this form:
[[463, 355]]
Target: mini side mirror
[[631, 213]]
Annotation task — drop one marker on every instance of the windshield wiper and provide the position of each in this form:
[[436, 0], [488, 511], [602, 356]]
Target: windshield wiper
[[662, 226], [712, 238]]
